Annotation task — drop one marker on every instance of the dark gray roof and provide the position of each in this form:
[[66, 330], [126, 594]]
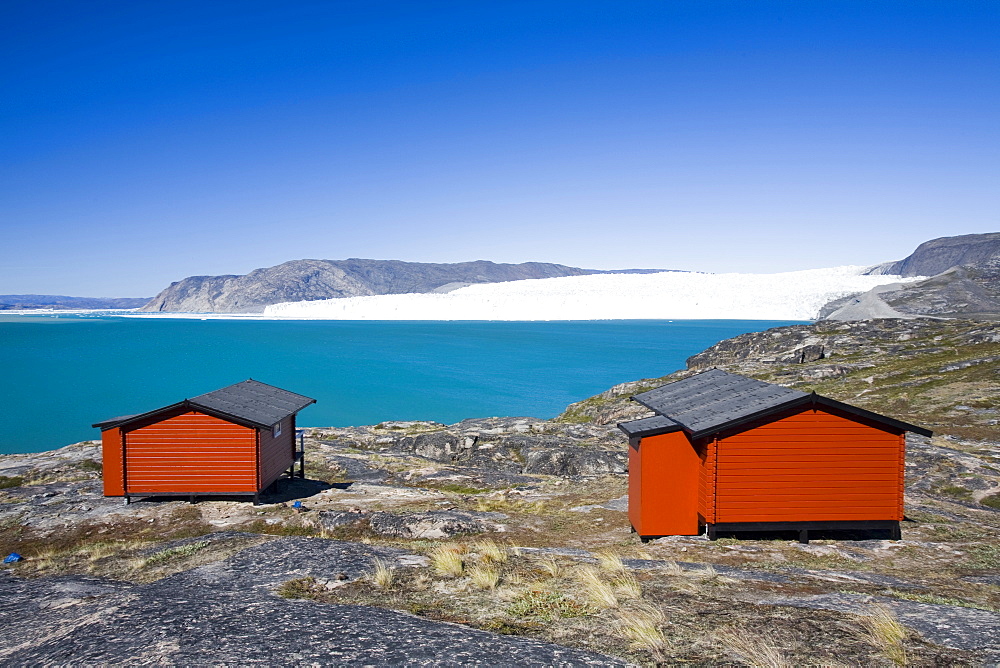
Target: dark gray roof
[[116, 420], [254, 402], [648, 426], [713, 400], [251, 401]]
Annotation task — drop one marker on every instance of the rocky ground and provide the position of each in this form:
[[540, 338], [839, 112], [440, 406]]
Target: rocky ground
[[505, 541]]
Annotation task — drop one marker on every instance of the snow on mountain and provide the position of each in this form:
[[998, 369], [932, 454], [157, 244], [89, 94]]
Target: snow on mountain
[[794, 295]]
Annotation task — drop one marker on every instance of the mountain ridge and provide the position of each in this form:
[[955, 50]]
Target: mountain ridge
[[963, 281], [64, 302], [310, 279]]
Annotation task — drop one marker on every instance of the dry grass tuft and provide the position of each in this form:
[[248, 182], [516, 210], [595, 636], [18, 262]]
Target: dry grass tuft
[[627, 585], [597, 589], [552, 566], [695, 580], [610, 561], [447, 560], [44, 560], [515, 578], [508, 592], [421, 582], [382, 575], [99, 551], [135, 563], [881, 628], [491, 552], [484, 576], [640, 625], [753, 649], [508, 505], [707, 573], [673, 569]]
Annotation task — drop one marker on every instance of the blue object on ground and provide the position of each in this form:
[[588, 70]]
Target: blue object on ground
[[12, 558], [297, 505]]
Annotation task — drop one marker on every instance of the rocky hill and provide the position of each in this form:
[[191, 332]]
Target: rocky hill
[[307, 280], [944, 375], [11, 302], [938, 255], [964, 282]]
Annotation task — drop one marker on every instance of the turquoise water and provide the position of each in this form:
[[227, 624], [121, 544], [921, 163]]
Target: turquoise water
[[63, 373]]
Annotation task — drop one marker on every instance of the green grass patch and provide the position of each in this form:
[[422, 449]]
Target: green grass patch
[[991, 501], [955, 492], [546, 606], [298, 588], [574, 416], [90, 465], [178, 552], [7, 482], [508, 628], [453, 487], [937, 600], [986, 557], [279, 529]]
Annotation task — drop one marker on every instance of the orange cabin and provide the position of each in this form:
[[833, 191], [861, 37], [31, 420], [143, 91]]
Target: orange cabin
[[729, 453], [234, 441]]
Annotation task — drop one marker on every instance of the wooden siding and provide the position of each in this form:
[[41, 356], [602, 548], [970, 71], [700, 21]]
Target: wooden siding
[[112, 462], [811, 465], [190, 453], [902, 474], [668, 486], [276, 454]]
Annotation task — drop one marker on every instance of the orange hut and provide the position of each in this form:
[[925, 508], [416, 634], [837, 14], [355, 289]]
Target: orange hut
[[234, 441], [729, 453]]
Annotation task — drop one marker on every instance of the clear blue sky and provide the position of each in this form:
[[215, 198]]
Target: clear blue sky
[[143, 142]]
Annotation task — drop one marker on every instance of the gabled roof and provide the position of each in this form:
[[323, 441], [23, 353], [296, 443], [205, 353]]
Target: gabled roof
[[714, 400], [250, 402]]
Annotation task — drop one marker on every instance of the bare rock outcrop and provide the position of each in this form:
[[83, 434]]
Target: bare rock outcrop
[[502, 446], [435, 523]]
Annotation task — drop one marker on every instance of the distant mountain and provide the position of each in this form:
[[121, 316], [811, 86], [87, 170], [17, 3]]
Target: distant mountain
[[12, 302], [964, 282], [938, 255], [308, 280]]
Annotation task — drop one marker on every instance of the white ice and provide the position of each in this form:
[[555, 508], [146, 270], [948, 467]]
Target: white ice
[[793, 295]]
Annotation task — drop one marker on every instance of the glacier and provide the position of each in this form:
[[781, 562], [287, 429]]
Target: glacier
[[791, 295]]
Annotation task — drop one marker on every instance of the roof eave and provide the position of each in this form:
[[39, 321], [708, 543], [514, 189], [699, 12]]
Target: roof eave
[[187, 403], [111, 424], [875, 417], [234, 418], [813, 399], [643, 433], [243, 420]]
